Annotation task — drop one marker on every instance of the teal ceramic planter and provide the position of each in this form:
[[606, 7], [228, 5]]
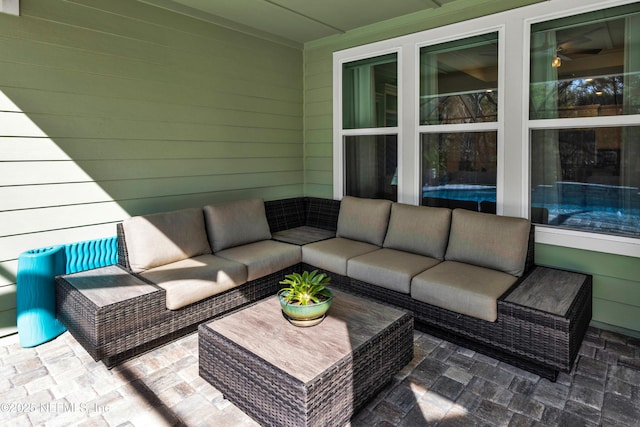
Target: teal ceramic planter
[[304, 315]]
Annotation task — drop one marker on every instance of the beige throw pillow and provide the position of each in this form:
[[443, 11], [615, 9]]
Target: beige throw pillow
[[163, 238], [488, 240], [236, 223], [421, 230], [364, 220]]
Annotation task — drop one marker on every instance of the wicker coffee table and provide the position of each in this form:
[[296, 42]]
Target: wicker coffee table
[[283, 375]]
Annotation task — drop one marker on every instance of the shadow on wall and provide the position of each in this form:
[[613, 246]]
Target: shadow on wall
[[128, 110], [7, 276], [7, 294]]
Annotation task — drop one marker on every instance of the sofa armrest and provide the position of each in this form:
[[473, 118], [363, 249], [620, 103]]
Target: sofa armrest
[[530, 261], [123, 254]]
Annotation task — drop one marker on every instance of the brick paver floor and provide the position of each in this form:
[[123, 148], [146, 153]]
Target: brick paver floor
[[58, 384]]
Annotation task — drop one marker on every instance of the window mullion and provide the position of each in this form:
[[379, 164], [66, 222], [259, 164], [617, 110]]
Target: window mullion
[[461, 127]]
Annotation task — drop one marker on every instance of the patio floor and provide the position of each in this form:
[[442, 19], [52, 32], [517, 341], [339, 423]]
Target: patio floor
[[58, 384]]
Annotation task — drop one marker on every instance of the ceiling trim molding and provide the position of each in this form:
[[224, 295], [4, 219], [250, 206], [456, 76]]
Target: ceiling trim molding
[[222, 22], [445, 14], [317, 21]]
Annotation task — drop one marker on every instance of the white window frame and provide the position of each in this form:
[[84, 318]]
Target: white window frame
[[497, 126], [408, 130], [573, 238], [339, 134], [513, 125]]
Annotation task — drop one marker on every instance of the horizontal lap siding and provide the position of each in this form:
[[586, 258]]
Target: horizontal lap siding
[[318, 123], [616, 282], [115, 108]]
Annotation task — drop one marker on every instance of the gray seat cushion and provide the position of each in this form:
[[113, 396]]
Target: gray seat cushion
[[236, 223], [333, 254], [264, 257], [389, 268], [419, 229], [163, 238], [487, 240], [463, 288], [194, 279], [365, 220]]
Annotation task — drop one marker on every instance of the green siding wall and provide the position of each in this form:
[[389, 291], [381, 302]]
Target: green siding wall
[[616, 300], [616, 282], [116, 108]]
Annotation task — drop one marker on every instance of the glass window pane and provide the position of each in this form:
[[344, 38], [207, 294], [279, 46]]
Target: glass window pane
[[459, 81], [459, 170], [371, 165], [586, 65], [587, 179], [369, 93]]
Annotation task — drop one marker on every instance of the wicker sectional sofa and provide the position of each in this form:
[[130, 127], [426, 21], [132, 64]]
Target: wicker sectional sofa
[[454, 269], [463, 275]]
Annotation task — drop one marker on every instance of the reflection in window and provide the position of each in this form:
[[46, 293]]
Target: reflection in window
[[586, 65], [369, 93], [459, 170], [459, 81], [587, 179], [371, 164]]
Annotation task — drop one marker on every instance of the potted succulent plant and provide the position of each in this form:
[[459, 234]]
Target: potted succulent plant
[[305, 299]]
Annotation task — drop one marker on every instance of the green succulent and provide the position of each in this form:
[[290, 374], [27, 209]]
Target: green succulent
[[305, 288]]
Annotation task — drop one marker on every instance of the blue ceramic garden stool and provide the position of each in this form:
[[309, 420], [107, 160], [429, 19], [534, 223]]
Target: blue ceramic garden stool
[[36, 295]]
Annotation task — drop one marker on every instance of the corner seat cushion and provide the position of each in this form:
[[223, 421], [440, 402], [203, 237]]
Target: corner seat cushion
[[389, 268], [421, 230], [162, 238], [488, 240], [365, 220], [463, 288], [195, 279], [263, 258], [236, 223], [333, 254]]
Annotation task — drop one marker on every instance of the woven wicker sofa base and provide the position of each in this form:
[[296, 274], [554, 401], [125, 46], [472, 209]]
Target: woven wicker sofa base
[[533, 340], [367, 348], [120, 331]]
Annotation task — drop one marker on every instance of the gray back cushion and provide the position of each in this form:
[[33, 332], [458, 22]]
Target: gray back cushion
[[488, 240], [163, 238], [419, 229], [365, 220], [236, 223]]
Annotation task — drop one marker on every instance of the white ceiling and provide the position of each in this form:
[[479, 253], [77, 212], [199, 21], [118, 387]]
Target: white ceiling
[[297, 21]]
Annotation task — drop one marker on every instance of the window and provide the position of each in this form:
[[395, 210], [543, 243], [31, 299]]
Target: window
[[532, 112], [372, 163], [370, 112], [585, 158], [459, 170], [458, 91], [369, 96], [459, 81]]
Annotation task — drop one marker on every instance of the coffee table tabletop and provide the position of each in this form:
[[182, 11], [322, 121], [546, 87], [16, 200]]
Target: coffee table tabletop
[[264, 331], [281, 374]]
